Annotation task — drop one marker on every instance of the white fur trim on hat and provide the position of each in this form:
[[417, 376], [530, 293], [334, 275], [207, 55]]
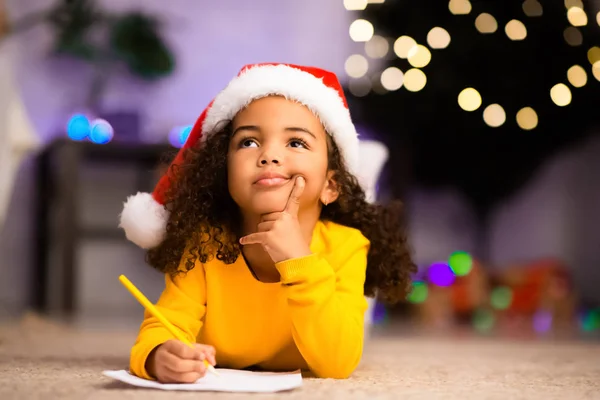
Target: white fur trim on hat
[[292, 83], [144, 220]]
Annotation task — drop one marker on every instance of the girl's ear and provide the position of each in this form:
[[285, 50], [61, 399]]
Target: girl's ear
[[330, 192]]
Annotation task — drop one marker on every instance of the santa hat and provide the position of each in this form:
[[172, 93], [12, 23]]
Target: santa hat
[[144, 217]]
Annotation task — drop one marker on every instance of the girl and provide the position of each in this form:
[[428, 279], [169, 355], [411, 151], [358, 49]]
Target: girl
[[264, 235]]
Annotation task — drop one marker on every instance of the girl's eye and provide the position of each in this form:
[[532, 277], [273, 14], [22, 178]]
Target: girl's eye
[[248, 143], [298, 143]]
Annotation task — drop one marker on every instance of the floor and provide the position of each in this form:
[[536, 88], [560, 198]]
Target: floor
[[47, 360]]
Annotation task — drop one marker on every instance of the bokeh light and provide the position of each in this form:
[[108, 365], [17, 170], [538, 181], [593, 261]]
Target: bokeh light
[[501, 297], [419, 56], [459, 7], [361, 30], [494, 115], [593, 55], [440, 274], [577, 17], [78, 127], [392, 78], [527, 118], [355, 5], [486, 23], [542, 321], [380, 313], [469, 99], [179, 135], [596, 70], [102, 131], [438, 38], [590, 320], [360, 87], [414, 80], [561, 94], [403, 46], [418, 293], [377, 47], [532, 8], [356, 66], [573, 3], [460, 263], [515, 30], [577, 76], [573, 36], [483, 320]]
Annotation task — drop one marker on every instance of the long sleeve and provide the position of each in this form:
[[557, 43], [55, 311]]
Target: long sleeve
[[183, 303], [327, 305]]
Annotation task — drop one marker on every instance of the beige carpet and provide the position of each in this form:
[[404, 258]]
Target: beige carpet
[[43, 360]]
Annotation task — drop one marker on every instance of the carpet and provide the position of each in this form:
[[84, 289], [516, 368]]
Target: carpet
[[40, 359]]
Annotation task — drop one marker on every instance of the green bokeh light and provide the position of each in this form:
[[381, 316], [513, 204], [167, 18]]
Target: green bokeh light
[[419, 292], [460, 262], [483, 320], [591, 321], [501, 297]]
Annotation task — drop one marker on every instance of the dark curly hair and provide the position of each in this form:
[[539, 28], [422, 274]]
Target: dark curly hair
[[205, 220]]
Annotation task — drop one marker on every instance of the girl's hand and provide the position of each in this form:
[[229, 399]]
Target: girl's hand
[[176, 362], [279, 233]]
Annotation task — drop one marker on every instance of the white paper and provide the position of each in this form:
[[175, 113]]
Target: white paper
[[230, 380]]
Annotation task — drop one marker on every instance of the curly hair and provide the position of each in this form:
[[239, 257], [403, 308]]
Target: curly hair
[[204, 221]]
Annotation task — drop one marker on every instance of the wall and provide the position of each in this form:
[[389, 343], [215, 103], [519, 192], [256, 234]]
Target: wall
[[212, 41]]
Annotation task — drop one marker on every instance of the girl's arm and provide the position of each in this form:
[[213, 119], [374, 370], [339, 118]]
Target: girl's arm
[[183, 303], [327, 305]]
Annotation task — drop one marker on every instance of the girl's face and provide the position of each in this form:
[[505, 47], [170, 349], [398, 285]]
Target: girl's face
[[274, 140]]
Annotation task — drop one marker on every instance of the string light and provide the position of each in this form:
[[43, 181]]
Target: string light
[[527, 118], [577, 17], [577, 76], [515, 30], [355, 5], [459, 7], [573, 36], [414, 80], [392, 79], [486, 23], [356, 66], [438, 38], [469, 99], [404, 45], [361, 30], [494, 115], [419, 56], [377, 47], [561, 94], [532, 8]]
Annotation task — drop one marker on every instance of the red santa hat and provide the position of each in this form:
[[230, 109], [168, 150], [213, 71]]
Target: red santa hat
[[144, 217]]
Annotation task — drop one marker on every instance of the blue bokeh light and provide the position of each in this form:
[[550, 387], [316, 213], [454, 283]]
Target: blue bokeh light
[[78, 127], [179, 135], [102, 132]]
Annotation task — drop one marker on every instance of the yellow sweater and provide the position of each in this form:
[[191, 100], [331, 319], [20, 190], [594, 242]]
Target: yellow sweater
[[312, 319]]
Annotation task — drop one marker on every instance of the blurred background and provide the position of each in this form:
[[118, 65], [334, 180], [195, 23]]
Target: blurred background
[[482, 116]]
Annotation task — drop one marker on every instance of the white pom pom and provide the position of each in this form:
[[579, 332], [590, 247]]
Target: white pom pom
[[144, 220]]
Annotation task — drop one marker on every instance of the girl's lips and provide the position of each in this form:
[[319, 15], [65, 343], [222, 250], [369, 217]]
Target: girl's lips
[[271, 182]]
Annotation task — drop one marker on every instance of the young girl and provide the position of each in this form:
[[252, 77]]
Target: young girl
[[264, 235]]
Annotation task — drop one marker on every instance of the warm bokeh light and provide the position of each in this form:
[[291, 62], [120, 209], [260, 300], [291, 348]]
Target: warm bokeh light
[[403, 46], [377, 47], [361, 30], [459, 7], [598, 18], [419, 56], [360, 87], [527, 118], [414, 80], [573, 36], [469, 99], [577, 76], [355, 5], [577, 17], [494, 115], [515, 30], [376, 85], [486, 23], [573, 3], [356, 66], [392, 78], [596, 70], [376, 1], [438, 38], [532, 8], [593, 55]]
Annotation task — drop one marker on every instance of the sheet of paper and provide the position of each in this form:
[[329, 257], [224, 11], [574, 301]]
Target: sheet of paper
[[229, 381]]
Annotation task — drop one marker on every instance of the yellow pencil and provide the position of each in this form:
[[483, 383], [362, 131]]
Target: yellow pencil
[[154, 311]]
